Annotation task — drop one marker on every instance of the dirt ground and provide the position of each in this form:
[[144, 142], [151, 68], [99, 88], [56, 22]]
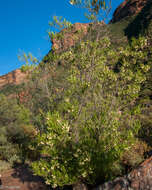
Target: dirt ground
[[21, 178]]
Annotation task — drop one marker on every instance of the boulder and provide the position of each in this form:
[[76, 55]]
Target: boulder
[[138, 179]]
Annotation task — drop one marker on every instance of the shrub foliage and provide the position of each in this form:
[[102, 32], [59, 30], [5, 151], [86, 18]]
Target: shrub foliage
[[92, 116]]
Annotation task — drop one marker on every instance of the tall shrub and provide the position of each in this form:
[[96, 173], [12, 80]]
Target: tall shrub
[[93, 115]]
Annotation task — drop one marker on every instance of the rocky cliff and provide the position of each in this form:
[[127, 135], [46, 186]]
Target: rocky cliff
[[14, 77], [128, 8], [68, 37]]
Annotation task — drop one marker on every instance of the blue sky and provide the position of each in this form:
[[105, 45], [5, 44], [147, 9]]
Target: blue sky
[[24, 25]]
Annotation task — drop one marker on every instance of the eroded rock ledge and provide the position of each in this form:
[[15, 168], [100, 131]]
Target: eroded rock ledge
[[14, 77]]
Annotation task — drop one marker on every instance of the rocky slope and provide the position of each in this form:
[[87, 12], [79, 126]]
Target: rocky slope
[[128, 8], [75, 34], [15, 77], [68, 37]]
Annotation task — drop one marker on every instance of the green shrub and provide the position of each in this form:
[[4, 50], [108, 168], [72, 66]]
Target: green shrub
[[29, 60], [13, 133], [93, 115], [25, 68]]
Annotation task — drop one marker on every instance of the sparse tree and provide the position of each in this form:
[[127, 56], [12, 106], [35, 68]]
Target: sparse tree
[[96, 8]]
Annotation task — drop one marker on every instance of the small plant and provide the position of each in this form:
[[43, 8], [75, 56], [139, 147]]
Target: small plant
[[95, 8], [58, 23], [29, 60], [15, 129]]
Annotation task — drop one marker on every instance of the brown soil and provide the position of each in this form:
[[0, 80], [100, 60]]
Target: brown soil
[[21, 178]]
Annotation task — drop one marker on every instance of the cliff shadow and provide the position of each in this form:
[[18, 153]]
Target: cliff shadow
[[141, 22]]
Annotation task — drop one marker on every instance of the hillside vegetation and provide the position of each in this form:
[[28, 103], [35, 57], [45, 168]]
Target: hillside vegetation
[[84, 114]]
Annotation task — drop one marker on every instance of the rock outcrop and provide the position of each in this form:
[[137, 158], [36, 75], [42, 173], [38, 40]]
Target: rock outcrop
[[68, 37], [138, 179], [128, 8], [14, 77]]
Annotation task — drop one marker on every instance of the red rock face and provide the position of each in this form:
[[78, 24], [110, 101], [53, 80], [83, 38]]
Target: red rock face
[[14, 77], [128, 8], [68, 37]]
